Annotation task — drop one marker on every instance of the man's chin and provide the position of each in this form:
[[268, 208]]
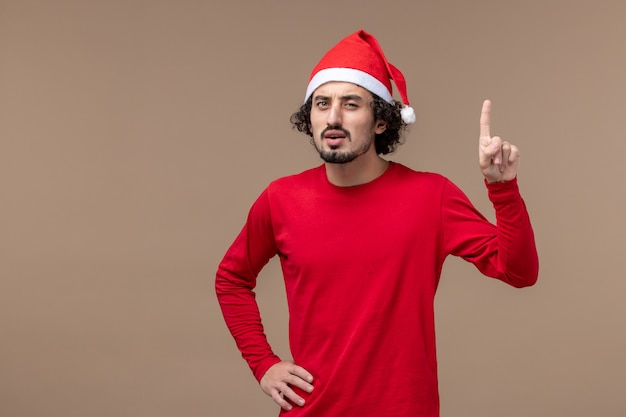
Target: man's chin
[[336, 157]]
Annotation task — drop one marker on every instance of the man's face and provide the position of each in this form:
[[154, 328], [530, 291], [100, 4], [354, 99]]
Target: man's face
[[342, 122]]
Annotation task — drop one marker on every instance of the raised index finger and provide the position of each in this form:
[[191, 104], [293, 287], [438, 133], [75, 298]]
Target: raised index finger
[[485, 119]]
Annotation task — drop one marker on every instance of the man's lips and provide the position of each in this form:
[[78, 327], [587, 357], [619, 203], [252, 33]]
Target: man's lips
[[334, 142], [334, 137]]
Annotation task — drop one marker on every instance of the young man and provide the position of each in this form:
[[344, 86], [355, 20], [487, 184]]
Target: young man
[[362, 242]]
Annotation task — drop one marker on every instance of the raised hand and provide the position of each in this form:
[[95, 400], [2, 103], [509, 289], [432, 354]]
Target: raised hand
[[279, 379], [499, 160]]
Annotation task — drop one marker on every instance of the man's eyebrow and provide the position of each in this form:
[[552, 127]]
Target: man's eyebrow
[[320, 97], [352, 97]]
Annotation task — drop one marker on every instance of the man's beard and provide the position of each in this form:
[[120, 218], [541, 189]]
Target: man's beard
[[336, 156]]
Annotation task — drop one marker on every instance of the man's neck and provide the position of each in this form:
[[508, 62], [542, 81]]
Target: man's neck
[[360, 171]]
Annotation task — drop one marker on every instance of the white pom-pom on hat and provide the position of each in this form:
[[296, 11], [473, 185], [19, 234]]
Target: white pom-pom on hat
[[359, 59], [408, 115]]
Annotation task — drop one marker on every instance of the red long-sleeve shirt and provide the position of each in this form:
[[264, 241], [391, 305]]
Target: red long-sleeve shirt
[[361, 266]]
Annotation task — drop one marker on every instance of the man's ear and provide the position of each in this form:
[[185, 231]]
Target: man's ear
[[380, 126]]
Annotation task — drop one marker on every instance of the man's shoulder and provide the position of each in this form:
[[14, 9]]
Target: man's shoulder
[[409, 174]]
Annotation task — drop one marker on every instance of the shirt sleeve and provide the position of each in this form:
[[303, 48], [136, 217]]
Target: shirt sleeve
[[235, 282], [505, 251]]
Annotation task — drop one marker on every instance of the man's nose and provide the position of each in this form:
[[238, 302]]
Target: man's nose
[[334, 116]]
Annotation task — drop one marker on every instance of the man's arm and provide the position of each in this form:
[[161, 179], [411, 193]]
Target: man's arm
[[499, 163], [506, 251], [234, 285]]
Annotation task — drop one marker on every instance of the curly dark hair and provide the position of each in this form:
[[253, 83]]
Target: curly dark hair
[[385, 142]]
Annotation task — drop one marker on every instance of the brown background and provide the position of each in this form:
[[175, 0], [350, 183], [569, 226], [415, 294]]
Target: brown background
[[136, 134]]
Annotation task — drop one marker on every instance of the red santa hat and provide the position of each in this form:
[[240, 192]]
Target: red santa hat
[[359, 59]]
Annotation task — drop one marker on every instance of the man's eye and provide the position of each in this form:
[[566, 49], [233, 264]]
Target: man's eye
[[322, 104], [352, 105]]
